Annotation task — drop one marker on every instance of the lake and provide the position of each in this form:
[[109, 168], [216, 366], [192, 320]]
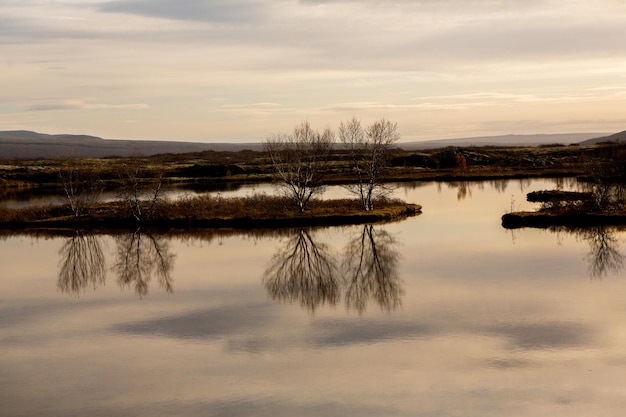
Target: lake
[[442, 314]]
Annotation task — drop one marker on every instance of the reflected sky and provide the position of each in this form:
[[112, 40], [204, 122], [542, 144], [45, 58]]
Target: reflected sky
[[489, 322]]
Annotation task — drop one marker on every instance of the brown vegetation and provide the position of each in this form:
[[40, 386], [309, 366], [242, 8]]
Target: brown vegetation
[[210, 211], [602, 203], [255, 166]]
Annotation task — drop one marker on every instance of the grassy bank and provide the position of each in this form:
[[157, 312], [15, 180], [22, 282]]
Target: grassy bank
[[259, 211], [545, 219], [570, 209], [212, 167]]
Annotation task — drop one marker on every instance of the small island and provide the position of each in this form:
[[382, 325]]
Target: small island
[[601, 201], [545, 219], [205, 211]]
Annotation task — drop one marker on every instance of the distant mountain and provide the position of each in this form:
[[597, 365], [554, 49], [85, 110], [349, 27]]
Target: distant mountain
[[27, 144], [505, 140], [27, 134], [617, 137]]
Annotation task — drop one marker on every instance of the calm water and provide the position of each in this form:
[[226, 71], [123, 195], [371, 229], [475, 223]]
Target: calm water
[[444, 314]]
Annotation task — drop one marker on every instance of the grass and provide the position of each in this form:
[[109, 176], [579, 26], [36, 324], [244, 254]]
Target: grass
[[213, 212], [404, 165], [569, 209]]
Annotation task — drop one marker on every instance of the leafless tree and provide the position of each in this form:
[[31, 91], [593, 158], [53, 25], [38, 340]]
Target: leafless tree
[[299, 159], [371, 269], [81, 185], [82, 263], [305, 271], [141, 188], [608, 174], [368, 149]]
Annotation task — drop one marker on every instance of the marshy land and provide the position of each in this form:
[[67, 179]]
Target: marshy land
[[138, 182]]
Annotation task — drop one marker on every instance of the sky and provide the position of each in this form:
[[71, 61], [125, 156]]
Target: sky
[[241, 70]]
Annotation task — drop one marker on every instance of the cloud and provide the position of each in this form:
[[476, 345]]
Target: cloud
[[79, 105], [311, 59], [215, 11]]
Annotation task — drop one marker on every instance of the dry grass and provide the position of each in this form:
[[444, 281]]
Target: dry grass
[[190, 209], [32, 213], [259, 206]]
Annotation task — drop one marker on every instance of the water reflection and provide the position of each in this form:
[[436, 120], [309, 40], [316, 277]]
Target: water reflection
[[604, 256], [82, 263], [303, 270], [139, 256], [371, 270], [307, 271], [465, 188]]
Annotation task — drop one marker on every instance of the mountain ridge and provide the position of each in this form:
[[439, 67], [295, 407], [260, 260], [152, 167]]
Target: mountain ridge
[[30, 144], [616, 137]]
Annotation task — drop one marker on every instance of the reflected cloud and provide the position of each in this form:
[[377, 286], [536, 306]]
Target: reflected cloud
[[204, 324], [544, 336], [370, 266], [508, 363], [141, 255], [248, 405], [82, 264], [349, 332], [303, 270]]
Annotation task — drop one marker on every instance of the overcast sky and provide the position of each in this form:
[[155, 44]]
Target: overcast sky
[[239, 70]]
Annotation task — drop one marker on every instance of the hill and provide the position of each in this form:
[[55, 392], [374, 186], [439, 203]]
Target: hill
[[617, 137], [504, 140], [27, 144]]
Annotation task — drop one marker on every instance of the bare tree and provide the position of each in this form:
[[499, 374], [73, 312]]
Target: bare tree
[[607, 171], [81, 185], [368, 149], [141, 189], [299, 159]]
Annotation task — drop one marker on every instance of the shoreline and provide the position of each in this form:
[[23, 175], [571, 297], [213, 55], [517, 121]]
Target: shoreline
[[311, 218], [540, 220]]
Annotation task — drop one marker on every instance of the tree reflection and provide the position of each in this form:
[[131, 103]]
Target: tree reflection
[[305, 271], [371, 268], [82, 264], [604, 255], [501, 185], [139, 256]]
